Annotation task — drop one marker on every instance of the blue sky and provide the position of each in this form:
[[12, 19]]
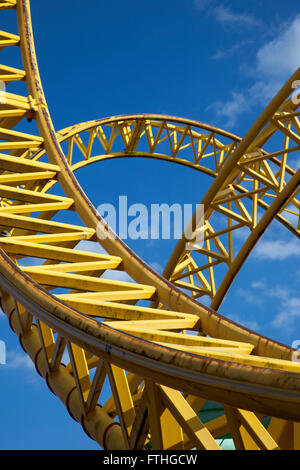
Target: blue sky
[[218, 62]]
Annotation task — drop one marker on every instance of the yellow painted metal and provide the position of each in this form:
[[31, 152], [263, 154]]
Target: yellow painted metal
[[160, 374], [29, 208], [85, 283], [81, 373], [256, 430], [107, 262], [232, 205], [239, 169], [145, 330], [123, 399], [22, 178], [188, 419]]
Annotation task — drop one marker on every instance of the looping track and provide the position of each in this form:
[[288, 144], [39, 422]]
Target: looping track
[[81, 329]]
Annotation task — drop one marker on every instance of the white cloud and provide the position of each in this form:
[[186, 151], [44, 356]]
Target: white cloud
[[277, 249], [285, 302], [278, 292], [250, 297], [274, 292], [18, 360], [228, 111], [289, 314], [226, 53], [280, 57], [258, 285], [226, 16], [275, 62]]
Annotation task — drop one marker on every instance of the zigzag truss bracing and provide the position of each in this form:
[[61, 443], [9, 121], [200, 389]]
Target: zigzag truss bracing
[[251, 179], [205, 149], [60, 305]]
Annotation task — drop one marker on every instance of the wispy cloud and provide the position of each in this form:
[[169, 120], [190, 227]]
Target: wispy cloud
[[277, 250], [227, 53], [278, 292], [289, 315], [18, 360], [281, 56], [228, 111], [224, 15], [275, 62], [227, 17], [287, 303], [249, 296], [258, 285]]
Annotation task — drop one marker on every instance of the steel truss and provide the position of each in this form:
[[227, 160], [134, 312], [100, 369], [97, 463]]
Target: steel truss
[[160, 375]]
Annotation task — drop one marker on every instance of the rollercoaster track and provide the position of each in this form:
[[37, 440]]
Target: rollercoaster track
[[160, 376], [250, 164], [181, 135]]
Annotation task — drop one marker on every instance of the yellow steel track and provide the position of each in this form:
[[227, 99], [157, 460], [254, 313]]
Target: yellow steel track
[[160, 375]]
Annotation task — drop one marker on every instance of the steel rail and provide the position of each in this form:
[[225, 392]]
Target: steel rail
[[269, 384], [228, 169], [212, 324]]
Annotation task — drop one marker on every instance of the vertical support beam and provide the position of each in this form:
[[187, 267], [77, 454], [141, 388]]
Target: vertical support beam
[[123, 399], [81, 373], [187, 418], [166, 433]]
